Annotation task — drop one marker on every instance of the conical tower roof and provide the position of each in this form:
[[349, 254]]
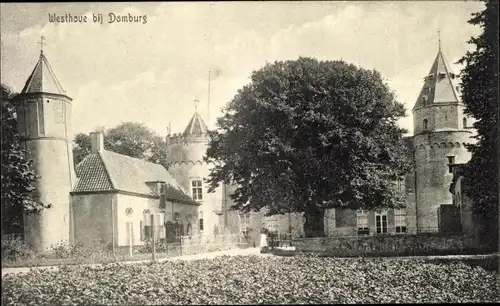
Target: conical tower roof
[[43, 79], [440, 85], [196, 126]]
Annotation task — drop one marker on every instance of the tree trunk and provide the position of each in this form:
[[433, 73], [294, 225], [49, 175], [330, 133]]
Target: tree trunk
[[314, 225]]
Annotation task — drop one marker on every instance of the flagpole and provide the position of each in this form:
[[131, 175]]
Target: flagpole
[[208, 110]]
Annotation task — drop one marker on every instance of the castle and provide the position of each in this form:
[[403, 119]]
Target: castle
[[115, 201]]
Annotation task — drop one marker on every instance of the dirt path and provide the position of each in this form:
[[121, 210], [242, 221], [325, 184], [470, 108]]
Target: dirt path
[[233, 252]]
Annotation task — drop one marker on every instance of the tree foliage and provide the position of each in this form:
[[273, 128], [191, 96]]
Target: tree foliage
[[480, 96], [18, 177], [81, 147], [309, 135], [128, 138]]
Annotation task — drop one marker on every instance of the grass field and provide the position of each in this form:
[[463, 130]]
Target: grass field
[[254, 280]]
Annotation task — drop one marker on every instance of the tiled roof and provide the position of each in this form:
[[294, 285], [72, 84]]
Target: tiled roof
[[196, 126], [439, 89], [92, 175], [108, 171], [43, 79]]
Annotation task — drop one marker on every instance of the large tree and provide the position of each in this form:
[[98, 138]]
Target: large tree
[[18, 176], [128, 138], [480, 95], [309, 135]]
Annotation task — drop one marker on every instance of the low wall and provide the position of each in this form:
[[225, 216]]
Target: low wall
[[406, 245]]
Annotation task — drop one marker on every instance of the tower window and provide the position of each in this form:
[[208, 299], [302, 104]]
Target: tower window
[[451, 161], [464, 122], [197, 190], [425, 123], [424, 100]]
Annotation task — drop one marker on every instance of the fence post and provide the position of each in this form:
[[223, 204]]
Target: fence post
[[153, 238], [130, 253]]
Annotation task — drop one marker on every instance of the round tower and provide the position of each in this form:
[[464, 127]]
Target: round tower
[[185, 153], [441, 132], [44, 124]]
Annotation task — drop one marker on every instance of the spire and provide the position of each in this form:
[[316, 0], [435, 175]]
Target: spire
[[196, 126], [439, 41], [43, 78], [42, 38], [440, 84]]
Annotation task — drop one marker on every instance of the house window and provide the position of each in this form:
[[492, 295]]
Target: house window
[[400, 220], [272, 223], [381, 222], [451, 161], [197, 190], [178, 230], [362, 222], [147, 225], [201, 225], [425, 123], [244, 222], [464, 122]]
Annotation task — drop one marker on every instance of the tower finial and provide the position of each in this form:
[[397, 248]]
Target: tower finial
[[196, 102], [439, 40], [42, 43]]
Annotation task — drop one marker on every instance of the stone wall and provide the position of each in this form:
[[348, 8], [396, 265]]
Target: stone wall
[[405, 245]]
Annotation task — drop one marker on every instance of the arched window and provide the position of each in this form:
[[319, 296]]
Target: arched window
[[464, 122], [425, 124]]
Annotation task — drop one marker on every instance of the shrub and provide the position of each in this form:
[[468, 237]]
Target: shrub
[[148, 247], [15, 248], [64, 250]]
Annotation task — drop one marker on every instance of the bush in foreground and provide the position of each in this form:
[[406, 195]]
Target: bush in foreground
[[253, 280]]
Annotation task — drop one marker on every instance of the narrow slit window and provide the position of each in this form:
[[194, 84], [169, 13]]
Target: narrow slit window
[[451, 162], [425, 124]]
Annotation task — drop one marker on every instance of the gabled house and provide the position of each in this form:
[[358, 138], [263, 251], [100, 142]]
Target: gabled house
[[117, 199]]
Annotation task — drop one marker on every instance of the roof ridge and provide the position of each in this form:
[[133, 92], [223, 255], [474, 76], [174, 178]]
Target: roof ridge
[[445, 64], [52, 73], [131, 157], [113, 185]]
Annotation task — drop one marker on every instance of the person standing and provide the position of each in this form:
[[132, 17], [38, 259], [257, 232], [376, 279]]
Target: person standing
[[263, 238]]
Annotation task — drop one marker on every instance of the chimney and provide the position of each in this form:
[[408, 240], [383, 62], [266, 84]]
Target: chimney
[[97, 142]]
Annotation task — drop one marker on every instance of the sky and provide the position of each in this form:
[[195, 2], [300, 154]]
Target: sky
[[153, 72]]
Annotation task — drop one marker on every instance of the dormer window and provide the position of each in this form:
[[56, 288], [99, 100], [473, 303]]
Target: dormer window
[[442, 75], [431, 76], [424, 100], [452, 75], [457, 88], [425, 124]]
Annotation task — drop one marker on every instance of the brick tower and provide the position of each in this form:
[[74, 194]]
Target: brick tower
[[44, 123], [440, 133]]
